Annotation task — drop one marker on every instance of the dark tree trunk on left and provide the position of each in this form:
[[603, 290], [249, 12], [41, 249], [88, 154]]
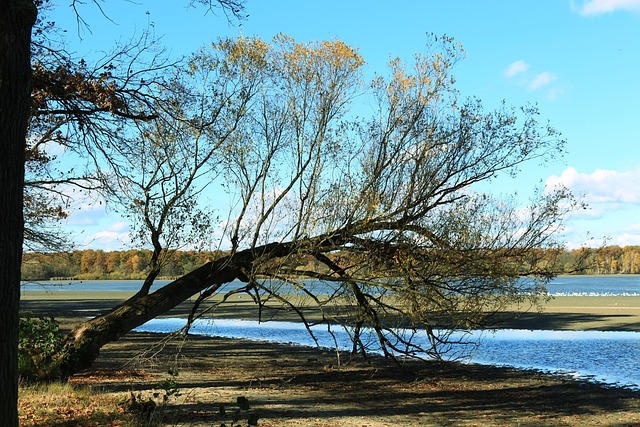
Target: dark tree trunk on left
[[16, 20]]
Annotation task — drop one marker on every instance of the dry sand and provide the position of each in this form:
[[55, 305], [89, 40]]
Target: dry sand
[[298, 386]]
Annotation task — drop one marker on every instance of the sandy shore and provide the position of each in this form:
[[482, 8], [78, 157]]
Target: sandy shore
[[299, 387]]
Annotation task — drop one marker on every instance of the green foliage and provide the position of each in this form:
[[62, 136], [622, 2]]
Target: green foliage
[[169, 388], [41, 343]]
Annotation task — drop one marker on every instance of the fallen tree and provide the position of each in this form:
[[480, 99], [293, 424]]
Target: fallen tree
[[387, 205]]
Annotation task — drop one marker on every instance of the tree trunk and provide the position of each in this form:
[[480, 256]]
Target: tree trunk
[[84, 342], [16, 20]]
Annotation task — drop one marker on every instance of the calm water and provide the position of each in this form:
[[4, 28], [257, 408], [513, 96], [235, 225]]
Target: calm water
[[564, 285], [90, 285], [609, 357], [595, 285]]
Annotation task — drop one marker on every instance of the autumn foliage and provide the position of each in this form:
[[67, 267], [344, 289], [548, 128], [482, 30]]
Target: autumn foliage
[[134, 264]]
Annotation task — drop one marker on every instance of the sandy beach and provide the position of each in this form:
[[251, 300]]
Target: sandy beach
[[298, 386]]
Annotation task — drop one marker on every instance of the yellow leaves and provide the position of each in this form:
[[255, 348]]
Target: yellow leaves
[[240, 56], [423, 81], [316, 62], [338, 50], [248, 50]]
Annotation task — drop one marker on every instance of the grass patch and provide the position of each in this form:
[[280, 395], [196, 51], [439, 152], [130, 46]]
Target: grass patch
[[60, 404]]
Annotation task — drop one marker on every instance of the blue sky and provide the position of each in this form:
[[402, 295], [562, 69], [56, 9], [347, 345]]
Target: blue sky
[[578, 60]]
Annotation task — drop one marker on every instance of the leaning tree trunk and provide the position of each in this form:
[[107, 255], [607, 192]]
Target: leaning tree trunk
[[83, 344], [16, 20]]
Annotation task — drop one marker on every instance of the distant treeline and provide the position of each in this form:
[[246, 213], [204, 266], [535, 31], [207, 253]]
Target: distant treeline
[[114, 265], [134, 264], [605, 260]]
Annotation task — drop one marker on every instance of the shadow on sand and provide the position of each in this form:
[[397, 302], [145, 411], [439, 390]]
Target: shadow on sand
[[297, 383]]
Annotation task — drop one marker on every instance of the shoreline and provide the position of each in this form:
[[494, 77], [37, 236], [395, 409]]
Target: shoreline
[[301, 386]]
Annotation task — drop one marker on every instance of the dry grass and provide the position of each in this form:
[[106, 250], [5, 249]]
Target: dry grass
[[62, 404]]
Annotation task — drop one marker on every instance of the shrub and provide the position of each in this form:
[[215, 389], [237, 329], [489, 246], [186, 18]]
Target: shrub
[[40, 344]]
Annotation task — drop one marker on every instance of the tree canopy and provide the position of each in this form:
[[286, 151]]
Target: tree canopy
[[383, 199]]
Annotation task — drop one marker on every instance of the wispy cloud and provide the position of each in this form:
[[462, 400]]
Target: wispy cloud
[[518, 72], [599, 7], [119, 226], [86, 214], [542, 80], [108, 240], [516, 68]]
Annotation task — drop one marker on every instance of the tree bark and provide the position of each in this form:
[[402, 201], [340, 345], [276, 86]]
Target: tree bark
[[84, 342], [16, 20]]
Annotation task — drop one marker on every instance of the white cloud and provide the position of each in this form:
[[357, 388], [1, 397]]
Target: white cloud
[[86, 214], [119, 226], [598, 7], [627, 239], [518, 71], [541, 80], [554, 93], [589, 213], [614, 206], [601, 186], [516, 68], [108, 240]]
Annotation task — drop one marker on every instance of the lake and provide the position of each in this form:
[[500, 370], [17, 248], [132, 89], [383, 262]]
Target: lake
[[621, 285], [615, 285]]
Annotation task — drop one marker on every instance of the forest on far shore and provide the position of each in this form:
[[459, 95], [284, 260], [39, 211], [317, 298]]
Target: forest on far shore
[[92, 264]]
